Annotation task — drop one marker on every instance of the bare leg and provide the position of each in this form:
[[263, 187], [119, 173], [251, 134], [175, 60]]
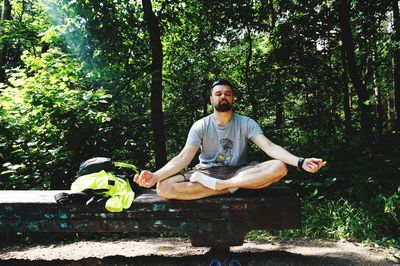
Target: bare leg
[[175, 187], [259, 176]]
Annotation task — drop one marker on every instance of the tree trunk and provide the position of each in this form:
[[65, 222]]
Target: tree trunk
[[354, 70], [249, 56], [279, 114], [157, 117], [378, 106], [396, 61], [272, 15], [346, 95], [5, 15], [279, 107], [379, 109], [389, 110]]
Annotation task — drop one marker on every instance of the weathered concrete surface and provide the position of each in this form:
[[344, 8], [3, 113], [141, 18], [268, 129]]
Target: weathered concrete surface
[[221, 221]]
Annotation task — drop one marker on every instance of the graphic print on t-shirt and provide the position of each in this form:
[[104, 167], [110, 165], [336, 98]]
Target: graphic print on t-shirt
[[225, 151]]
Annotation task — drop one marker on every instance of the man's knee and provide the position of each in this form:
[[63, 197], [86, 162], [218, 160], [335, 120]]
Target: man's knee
[[164, 189], [167, 187], [282, 168], [279, 168]]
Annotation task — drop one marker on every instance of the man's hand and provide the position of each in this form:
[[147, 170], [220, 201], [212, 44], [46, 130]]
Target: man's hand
[[145, 179], [312, 165]]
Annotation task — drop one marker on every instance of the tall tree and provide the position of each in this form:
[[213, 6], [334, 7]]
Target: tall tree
[[346, 95], [353, 69], [5, 15], [247, 71], [396, 61], [157, 117]]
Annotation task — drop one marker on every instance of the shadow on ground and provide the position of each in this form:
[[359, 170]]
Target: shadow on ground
[[245, 258]]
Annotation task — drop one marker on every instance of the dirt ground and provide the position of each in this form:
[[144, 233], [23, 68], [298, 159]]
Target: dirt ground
[[178, 251]]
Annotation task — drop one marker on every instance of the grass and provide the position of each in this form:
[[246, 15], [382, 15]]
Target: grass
[[341, 219]]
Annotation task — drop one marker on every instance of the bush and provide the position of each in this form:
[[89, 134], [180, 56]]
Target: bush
[[49, 117], [341, 219]]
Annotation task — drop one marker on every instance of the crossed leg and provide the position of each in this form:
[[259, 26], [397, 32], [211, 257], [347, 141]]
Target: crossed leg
[[255, 177]]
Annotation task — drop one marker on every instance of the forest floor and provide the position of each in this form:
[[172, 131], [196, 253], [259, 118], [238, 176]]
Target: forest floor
[[178, 251]]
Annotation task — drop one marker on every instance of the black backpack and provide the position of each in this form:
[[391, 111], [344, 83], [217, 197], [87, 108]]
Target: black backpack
[[91, 198], [97, 164]]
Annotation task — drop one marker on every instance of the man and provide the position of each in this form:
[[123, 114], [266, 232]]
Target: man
[[223, 168]]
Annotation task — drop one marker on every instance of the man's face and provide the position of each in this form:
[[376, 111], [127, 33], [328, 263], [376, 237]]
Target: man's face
[[222, 98]]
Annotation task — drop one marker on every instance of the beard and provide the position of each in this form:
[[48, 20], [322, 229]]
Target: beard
[[223, 107]]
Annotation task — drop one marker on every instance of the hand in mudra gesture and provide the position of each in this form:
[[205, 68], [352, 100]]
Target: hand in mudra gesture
[[145, 179], [312, 165]]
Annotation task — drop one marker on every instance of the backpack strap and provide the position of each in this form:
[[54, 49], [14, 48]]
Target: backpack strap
[[96, 200], [69, 198], [87, 197]]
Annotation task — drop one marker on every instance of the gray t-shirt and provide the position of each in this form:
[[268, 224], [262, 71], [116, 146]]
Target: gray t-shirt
[[226, 145]]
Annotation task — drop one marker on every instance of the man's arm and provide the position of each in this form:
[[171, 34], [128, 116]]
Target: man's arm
[[178, 163], [311, 165], [175, 165]]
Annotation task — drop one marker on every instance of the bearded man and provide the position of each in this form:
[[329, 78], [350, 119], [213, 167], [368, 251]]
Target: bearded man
[[223, 168]]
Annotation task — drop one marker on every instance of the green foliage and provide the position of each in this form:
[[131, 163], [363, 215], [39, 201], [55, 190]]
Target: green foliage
[[341, 219], [22, 32], [392, 205], [338, 220], [78, 79], [49, 114]]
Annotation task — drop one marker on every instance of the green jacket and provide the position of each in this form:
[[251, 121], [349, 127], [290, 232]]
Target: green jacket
[[119, 190]]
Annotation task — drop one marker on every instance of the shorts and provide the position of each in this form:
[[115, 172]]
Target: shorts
[[219, 172]]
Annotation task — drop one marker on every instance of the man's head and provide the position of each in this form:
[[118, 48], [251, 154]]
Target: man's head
[[222, 95]]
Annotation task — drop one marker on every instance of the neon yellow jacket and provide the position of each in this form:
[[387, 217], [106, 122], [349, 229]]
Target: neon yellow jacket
[[119, 190]]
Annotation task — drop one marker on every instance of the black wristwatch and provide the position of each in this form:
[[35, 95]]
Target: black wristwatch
[[300, 163]]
